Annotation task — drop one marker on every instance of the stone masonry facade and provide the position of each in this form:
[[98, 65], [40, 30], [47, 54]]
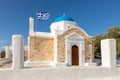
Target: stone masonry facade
[[41, 49], [62, 46]]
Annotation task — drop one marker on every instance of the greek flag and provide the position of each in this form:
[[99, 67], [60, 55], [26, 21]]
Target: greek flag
[[43, 15]]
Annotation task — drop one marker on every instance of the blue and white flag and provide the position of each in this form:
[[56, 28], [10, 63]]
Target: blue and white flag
[[43, 15]]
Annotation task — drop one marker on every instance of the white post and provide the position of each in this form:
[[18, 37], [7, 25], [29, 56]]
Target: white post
[[68, 55], [18, 51], [31, 26], [81, 55], [7, 52], [108, 50]]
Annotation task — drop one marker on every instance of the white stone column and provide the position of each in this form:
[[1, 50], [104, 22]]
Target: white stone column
[[31, 26], [81, 55], [68, 55], [18, 51], [108, 52], [7, 52]]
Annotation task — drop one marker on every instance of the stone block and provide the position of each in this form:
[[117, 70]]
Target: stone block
[[108, 52]]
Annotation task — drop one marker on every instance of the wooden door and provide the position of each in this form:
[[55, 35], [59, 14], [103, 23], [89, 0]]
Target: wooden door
[[75, 55]]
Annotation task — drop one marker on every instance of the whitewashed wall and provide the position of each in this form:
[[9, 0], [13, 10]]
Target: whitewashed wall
[[61, 74], [108, 52]]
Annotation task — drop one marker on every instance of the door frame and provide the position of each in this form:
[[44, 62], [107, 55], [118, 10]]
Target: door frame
[[75, 39]]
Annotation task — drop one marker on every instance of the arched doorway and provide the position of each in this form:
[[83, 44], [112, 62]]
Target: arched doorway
[[75, 55]]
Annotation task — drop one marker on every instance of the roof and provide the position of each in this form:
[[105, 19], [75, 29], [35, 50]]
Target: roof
[[64, 18], [43, 34]]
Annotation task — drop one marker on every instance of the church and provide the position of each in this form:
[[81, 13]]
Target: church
[[65, 45]]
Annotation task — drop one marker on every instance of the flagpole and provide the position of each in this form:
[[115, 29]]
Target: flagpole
[[41, 16]]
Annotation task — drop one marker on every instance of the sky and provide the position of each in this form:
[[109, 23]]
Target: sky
[[94, 16]]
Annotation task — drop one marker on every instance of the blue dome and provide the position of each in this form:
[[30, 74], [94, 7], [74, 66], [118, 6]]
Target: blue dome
[[63, 18]]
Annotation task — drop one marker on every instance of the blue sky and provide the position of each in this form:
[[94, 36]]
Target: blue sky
[[94, 16]]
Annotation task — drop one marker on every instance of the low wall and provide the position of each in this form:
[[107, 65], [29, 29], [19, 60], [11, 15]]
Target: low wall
[[58, 73]]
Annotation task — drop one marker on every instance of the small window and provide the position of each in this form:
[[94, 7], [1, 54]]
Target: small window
[[68, 26]]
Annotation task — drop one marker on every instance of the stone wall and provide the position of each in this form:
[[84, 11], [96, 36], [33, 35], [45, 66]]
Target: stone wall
[[61, 46], [88, 51], [41, 49], [62, 49]]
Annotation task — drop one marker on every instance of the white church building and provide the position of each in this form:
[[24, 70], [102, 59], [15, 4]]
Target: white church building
[[67, 44]]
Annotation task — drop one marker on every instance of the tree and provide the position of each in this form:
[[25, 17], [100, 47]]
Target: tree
[[113, 32], [97, 47], [118, 47]]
